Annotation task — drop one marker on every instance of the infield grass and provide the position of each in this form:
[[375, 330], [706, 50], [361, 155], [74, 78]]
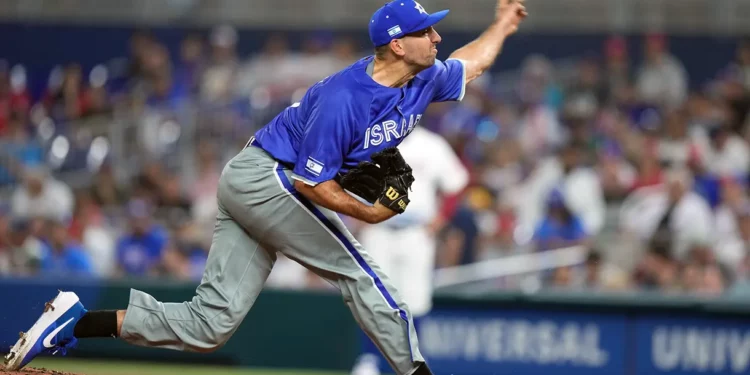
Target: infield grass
[[96, 367]]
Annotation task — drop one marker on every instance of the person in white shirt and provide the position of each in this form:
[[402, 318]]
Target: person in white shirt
[[725, 153], [733, 210], [662, 78], [42, 196], [671, 209], [404, 246]]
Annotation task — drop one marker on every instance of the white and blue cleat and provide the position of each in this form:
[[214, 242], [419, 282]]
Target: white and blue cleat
[[52, 332]]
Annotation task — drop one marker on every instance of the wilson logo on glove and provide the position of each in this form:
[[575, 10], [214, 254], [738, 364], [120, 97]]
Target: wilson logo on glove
[[392, 194]]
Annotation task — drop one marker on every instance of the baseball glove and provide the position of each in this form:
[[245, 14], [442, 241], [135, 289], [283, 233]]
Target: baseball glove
[[387, 180], [366, 180], [393, 163]]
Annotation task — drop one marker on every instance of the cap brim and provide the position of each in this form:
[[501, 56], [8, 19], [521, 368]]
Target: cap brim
[[432, 20]]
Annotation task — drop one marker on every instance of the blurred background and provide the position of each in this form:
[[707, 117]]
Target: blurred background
[[605, 229]]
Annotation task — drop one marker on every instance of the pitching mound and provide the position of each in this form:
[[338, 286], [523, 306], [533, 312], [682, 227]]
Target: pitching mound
[[31, 370]]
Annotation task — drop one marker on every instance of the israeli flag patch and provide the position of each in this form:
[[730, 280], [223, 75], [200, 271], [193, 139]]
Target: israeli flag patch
[[395, 30], [313, 166]]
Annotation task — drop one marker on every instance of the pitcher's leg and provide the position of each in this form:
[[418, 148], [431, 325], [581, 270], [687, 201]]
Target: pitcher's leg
[[317, 238], [236, 270]]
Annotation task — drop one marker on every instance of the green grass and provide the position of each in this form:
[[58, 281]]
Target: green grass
[[91, 367]]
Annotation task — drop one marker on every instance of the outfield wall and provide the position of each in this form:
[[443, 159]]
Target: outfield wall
[[507, 333]]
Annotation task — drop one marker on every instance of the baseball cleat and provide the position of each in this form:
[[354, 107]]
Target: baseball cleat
[[52, 332]]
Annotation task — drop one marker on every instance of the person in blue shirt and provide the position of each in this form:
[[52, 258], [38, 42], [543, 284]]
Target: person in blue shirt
[[139, 251], [284, 193], [64, 257], [560, 227]]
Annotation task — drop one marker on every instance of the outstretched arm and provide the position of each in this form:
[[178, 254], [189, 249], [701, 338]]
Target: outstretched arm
[[480, 54], [332, 196]]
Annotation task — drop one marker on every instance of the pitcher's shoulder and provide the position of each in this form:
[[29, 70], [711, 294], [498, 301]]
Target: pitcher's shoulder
[[346, 85]]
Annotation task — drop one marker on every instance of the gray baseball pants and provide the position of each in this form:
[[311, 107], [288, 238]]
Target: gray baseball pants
[[260, 213]]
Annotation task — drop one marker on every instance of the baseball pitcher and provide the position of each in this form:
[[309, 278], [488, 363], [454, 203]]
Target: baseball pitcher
[[283, 191]]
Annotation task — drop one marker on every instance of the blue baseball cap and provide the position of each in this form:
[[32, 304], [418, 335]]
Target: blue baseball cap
[[398, 18]]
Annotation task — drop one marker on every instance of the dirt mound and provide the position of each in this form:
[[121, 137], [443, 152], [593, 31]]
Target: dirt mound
[[31, 370]]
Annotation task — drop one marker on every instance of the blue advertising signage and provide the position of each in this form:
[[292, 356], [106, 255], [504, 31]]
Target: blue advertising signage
[[522, 342], [692, 346], [462, 341]]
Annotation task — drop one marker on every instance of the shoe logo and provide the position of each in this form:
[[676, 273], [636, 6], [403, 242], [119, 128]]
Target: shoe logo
[[48, 340]]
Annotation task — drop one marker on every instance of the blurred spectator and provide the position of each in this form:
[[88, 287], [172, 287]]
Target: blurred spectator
[[595, 275], [473, 220], [192, 62], [218, 83], [702, 274], [741, 63], [559, 227], [41, 195], [317, 58], [661, 79], [160, 89], [649, 171], [22, 251], [15, 99], [68, 100], [140, 43], [617, 73], [726, 154], [588, 90], [578, 183], [599, 274], [64, 257], [6, 259], [18, 150], [562, 278], [505, 241], [616, 175], [658, 270], [89, 228], [742, 283], [96, 95], [106, 191], [675, 148], [670, 212], [204, 186], [274, 71], [172, 200], [140, 249], [185, 255], [503, 170], [733, 230], [731, 89], [539, 128], [345, 51]]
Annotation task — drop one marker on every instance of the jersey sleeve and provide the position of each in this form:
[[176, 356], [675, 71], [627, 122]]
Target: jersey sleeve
[[326, 141], [450, 80]]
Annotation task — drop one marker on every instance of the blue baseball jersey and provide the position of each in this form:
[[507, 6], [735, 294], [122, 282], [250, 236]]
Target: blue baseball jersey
[[347, 117]]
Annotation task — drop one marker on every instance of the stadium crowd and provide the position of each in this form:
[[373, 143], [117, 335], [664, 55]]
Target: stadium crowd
[[113, 172]]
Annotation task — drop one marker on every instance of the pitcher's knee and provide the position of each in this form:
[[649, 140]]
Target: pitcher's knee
[[209, 337], [212, 328]]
